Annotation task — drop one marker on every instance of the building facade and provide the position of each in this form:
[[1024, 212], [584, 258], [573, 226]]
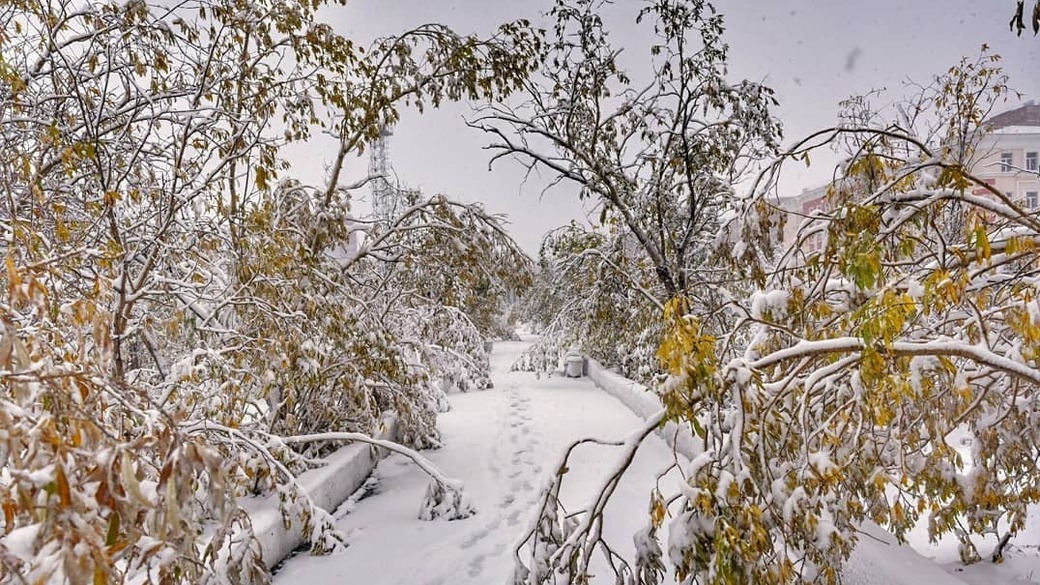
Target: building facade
[[1008, 155], [800, 211]]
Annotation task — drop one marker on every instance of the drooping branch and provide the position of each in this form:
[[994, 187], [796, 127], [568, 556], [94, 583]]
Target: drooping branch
[[444, 498], [556, 540]]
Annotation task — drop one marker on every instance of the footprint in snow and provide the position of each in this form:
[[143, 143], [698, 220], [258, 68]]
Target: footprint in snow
[[475, 566], [514, 517], [480, 534]]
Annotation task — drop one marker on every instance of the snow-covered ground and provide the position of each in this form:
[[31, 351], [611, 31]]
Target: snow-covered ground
[[1021, 557], [502, 444]]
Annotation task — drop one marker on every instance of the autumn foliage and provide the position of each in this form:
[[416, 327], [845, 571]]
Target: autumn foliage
[[174, 299]]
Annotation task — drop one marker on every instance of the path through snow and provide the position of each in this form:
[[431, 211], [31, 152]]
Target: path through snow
[[503, 443]]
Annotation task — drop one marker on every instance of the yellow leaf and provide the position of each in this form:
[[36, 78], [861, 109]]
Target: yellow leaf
[[130, 483], [657, 509], [64, 493]]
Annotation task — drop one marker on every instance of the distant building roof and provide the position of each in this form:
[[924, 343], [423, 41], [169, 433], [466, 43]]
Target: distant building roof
[[1026, 115], [1018, 130], [804, 195]]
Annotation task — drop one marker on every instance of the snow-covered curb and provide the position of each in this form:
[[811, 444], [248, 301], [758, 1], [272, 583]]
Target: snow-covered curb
[[877, 559], [327, 486], [640, 400]]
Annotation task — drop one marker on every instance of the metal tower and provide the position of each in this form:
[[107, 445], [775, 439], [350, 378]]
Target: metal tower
[[384, 194]]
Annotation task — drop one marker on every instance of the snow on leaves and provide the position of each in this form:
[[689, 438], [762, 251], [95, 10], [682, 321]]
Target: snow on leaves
[[172, 301], [887, 375], [906, 328]]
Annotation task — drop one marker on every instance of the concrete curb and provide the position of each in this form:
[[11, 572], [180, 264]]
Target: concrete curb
[[328, 487], [640, 400]]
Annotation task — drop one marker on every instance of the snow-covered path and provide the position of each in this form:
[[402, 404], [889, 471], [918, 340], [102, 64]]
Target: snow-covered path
[[502, 443]]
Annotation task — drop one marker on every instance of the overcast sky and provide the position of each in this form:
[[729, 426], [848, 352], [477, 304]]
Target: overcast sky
[[814, 53]]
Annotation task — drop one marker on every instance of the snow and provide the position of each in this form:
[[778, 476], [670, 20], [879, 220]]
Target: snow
[[773, 302], [328, 486], [641, 400], [503, 442], [879, 560], [1016, 130], [19, 542], [914, 289]]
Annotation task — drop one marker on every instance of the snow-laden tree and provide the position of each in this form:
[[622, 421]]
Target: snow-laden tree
[[382, 321], [890, 376], [593, 292], [658, 156], [170, 295]]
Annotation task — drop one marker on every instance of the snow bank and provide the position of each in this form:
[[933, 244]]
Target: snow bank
[[880, 560], [328, 487], [640, 400]]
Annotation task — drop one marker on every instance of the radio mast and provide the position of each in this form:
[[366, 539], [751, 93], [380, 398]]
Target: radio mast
[[384, 193]]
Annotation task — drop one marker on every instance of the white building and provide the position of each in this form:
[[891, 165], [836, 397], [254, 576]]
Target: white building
[[1009, 154], [1007, 157]]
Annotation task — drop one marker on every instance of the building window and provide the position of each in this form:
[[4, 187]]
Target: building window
[[1006, 161], [815, 243], [1031, 199], [1031, 161]]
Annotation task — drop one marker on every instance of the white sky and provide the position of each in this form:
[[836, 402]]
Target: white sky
[[814, 53]]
